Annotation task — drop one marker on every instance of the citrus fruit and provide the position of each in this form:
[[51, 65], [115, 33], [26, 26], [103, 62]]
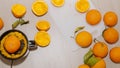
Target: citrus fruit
[[42, 38], [111, 35], [43, 25], [82, 5], [110, 19], [100, 64], [18, 10], [39, 7], [57, 3], [93, 17], [100, 49], [12, 44], [1, 23], [115, 54], [84, 66], [83, 39]]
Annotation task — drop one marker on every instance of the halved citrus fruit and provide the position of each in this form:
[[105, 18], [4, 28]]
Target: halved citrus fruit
[[57, 3], [39, 7], [18, 10], [82, 5], [43, 25], [42, 38]]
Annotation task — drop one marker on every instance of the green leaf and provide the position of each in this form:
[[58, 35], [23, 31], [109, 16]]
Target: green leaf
[[15, 24], [22, 22], [88, 55], [92, 61], [79, 28]]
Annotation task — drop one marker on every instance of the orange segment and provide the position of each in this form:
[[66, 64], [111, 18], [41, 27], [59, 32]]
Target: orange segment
[[57, 3], [18, 10], [42, 38], [82, 5], [39, 7], [12, 44], [43, 25]]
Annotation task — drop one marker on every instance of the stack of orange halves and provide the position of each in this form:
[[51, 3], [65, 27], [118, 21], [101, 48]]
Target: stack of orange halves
[[42, 38]]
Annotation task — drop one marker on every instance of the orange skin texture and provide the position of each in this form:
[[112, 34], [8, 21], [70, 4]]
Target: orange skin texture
[[115, 54], [83, 39], [12, 44], [110, 19], [93, 17], [111, 35], [100, 49]]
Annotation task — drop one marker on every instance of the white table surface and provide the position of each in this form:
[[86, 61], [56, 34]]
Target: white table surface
[[62, 52]]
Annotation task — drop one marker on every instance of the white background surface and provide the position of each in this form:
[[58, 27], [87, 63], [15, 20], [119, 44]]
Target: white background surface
[[62, 52]]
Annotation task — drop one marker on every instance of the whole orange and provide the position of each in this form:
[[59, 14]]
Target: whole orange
[[83, 39], [110, 19], [100, 49], [100, 64], [12, 44], [93, 17], [84, 66], [1, 23], [111, 35], [115, 54]]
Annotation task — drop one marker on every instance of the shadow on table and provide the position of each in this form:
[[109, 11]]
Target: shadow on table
[[15, 62]]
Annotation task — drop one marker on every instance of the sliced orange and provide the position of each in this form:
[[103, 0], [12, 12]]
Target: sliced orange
[[57, 3], [39, 7], [18, 10], [43, 25], [42, 38], [82, 5]]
